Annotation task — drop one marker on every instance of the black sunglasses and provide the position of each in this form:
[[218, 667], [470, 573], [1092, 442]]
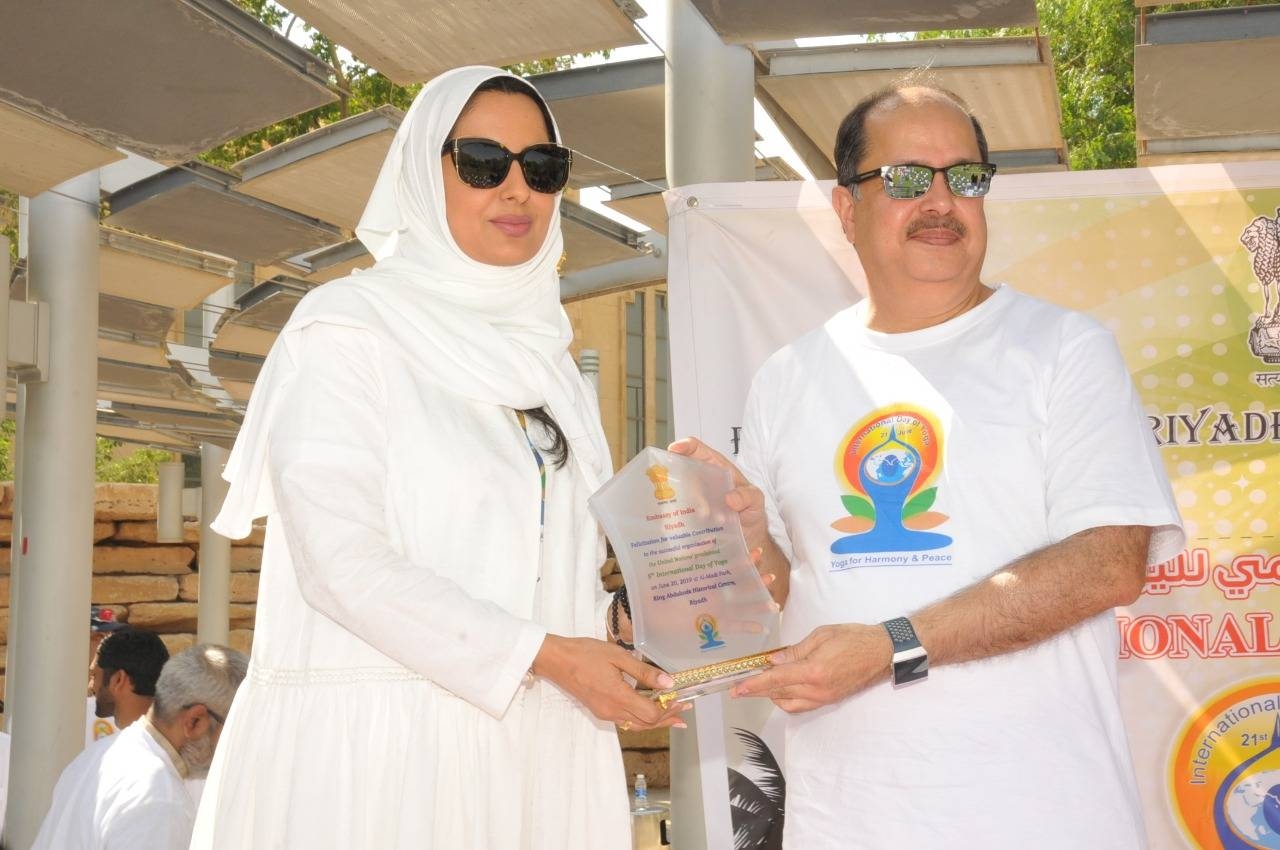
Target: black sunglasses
[[483, 164], [905, 182]]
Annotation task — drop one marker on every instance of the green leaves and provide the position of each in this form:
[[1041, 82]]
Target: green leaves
[[1092, 44], [111, 461], [920, 502], [139, 466], [858, 506]]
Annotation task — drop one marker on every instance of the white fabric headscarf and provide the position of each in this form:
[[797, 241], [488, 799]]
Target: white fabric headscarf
[[494, 334]]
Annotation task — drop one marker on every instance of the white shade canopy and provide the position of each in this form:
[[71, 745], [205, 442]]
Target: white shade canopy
[[1191, 101], [326, 174], [414, 40], [746, 21], [1008, 82], [194, 205], [136, 75]]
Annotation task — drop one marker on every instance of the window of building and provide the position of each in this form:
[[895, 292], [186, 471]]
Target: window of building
[[635, 376], [665, 430], [193, 328]]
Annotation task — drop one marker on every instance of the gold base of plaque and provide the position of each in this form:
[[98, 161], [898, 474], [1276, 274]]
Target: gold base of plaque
[[690, 684]]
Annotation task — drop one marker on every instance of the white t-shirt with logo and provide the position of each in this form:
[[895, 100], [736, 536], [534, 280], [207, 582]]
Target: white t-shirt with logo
[[96, 728], [900, 468]]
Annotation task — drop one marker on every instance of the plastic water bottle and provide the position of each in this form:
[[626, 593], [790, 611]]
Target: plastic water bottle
[[647, 828]]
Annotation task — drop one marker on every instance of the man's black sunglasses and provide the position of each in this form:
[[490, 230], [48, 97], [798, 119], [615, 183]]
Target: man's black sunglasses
[[484, 163], [905, 182]]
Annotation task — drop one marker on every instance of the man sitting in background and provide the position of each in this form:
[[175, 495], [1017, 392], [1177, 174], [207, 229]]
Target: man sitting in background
[[127, 792]]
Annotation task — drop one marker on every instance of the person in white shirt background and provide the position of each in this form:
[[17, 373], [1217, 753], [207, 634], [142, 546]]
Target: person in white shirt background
[[129, 791], [124, 673], [102, 622]]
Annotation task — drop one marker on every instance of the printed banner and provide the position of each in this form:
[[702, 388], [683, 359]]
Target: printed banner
[[1182, 263]]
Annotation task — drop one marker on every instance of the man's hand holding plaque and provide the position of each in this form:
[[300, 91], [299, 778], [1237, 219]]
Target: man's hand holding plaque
[[699, 608]]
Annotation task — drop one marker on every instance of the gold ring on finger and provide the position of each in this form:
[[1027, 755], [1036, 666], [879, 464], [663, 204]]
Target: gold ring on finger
[[625, 726]]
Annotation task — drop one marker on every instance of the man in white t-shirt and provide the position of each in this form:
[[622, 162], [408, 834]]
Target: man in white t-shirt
[[123, 676], [956, 487], [129, 791], [102, 622]]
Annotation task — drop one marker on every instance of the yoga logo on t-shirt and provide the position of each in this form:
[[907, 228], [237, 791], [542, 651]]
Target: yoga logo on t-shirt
[[1224, 769], [887, 464]]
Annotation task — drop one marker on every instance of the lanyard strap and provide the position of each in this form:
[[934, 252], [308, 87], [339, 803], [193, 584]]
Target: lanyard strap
[[542, 468]]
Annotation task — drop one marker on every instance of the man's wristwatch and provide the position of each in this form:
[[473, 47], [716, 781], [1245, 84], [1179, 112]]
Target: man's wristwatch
[[910, 661]]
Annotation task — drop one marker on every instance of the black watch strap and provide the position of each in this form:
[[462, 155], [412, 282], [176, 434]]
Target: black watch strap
[[910, 661]]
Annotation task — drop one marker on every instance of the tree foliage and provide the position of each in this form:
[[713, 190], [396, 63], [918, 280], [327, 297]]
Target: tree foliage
[[9, 223], [7, 429], [1092, 44], [141, 466]]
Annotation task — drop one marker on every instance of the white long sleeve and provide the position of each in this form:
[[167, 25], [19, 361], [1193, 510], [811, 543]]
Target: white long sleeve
[[328, 466]]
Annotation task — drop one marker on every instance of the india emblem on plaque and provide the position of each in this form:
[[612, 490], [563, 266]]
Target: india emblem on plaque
[[698, 605]]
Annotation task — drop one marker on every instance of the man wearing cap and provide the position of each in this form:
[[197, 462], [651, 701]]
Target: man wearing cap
[[128, 792], [956, 487]]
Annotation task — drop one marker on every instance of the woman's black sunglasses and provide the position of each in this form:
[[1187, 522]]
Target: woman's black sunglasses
[[483, 164]]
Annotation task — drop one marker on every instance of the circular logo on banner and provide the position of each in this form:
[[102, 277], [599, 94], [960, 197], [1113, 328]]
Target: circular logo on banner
[[1224, 774]]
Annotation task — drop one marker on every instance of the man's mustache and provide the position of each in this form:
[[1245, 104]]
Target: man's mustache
[[936, 222]]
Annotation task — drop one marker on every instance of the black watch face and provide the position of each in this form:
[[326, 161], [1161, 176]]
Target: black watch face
[[910, 670]]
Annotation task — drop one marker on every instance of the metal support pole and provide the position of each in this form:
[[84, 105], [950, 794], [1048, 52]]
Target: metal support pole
[[589, 364], [4, 412], [169, 519], [710, 102], [4, 315], [710, 139], [46, 688], [213, 623], [15, 560]]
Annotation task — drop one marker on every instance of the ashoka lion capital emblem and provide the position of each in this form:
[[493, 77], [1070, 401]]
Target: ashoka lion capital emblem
[[1262, 238]]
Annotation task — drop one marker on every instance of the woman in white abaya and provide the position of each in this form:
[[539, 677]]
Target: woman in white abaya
[[426, 667]]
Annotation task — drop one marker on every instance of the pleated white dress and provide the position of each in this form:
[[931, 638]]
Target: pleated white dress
[[404, 593]]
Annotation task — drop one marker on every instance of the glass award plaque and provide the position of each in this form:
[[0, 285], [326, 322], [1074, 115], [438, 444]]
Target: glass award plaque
[[699, 608]]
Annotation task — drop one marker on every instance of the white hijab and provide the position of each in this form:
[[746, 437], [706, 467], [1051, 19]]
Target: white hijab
[[494, 334]]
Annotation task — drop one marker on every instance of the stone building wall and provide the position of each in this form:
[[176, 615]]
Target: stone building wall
[[147, 584], [154, 586]]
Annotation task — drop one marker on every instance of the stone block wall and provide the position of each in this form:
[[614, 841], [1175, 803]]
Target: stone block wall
[[154, 586], [147, 584]]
